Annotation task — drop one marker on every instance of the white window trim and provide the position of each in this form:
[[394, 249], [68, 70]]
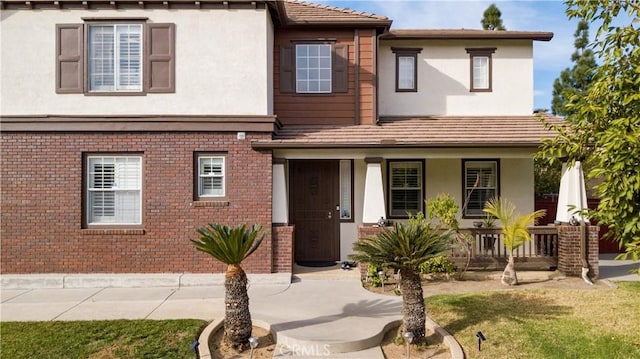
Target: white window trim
[[319, 68], [201, 176], [117, 87], [136, 188]]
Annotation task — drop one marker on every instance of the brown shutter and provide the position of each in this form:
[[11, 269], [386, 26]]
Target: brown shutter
[[287, 69], [160, 58], [340, 69], [69, 58]]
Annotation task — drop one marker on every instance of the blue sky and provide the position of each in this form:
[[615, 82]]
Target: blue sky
[[550, 58]]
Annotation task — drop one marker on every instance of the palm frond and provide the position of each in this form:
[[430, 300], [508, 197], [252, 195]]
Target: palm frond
[[226, 244], [514, 227]]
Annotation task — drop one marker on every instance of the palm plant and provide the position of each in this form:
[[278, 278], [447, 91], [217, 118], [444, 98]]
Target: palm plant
[[231, 246], [514, 229], [405, 248]]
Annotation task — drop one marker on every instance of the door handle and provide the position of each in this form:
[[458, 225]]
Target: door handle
[[329, 215]]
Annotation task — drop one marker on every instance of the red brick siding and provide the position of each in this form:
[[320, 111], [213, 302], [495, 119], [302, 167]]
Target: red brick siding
[[364, 232], [42, 203], [283, 249], [569, 250]]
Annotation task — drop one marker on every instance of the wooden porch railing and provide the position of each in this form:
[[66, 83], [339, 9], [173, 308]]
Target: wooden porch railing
[[488, 250]]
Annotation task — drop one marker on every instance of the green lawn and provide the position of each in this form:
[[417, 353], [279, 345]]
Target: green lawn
[[99, 339], [544, 323]]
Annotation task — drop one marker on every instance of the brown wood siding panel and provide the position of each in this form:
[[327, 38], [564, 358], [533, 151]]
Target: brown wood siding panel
[[367, 77], [69, 58], [318, 109]]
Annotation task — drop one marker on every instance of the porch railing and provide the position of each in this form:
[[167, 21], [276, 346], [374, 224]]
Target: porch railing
[[488, 250]]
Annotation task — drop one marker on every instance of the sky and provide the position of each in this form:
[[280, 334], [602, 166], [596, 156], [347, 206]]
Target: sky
[[550, 58]]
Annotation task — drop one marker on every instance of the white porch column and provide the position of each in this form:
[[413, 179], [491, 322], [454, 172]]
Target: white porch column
[[279, 207], [373, 208]]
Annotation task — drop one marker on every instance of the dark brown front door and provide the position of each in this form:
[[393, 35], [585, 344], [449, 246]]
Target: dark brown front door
[[314, 198]]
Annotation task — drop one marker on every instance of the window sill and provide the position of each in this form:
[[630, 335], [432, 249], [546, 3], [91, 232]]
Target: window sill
[[114, 231], [211, 204]]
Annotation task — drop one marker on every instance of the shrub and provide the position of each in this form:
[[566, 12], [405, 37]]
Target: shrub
[[439, 264], [374, 277]]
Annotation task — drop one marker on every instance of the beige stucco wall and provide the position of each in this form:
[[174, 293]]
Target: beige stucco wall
[[444, 80], [224, 64]]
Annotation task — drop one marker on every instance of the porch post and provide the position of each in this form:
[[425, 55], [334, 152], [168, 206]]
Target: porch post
[[279, 206], [374, 207]]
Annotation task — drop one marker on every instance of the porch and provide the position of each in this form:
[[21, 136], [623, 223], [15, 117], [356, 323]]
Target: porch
[[489, 253]]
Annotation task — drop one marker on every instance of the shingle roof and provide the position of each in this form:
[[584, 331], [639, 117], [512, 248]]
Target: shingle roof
[[465, 34], [479, 131], [304, 13]]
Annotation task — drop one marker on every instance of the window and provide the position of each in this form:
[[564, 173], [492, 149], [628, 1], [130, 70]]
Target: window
[[123, 57], [114, 186], [406, 69], [405, 188], [313, 68], [211, 176], [115, 57], [346, 190], [481, 180], [481, 69]]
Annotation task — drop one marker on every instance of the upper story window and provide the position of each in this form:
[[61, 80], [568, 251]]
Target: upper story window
[[114, 190], [406, 69], [115, 57], [480, 185], [314, 67], [123, 57], [405, 188], [481, 69], [211, 176]]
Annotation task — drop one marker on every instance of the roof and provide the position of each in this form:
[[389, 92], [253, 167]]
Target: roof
[[435, 132], [304, 13], [465, 34]]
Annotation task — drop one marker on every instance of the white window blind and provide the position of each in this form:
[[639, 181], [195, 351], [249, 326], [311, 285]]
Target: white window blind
[[480, 72], [405, 187], [114, 190], [313, 68], [115, 57], [481, 184], [211, 176], [406, 73]]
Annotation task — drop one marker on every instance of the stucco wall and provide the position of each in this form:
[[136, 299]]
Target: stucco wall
[[214, 75], [444, 80]]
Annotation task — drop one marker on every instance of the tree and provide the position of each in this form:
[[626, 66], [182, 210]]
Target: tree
[[405, 248], [491, 19], [603, 127], [231, 246], [514, 230], [574, 81]]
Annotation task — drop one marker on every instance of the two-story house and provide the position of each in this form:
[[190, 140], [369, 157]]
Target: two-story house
[[128, 124]]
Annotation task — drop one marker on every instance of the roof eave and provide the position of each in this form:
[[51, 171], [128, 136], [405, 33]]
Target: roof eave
[[547, 36], [433, 145]]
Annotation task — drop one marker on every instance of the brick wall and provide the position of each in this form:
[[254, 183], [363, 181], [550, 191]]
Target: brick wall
[[364, 232], [283, 249], [42, 203], [569, 250]]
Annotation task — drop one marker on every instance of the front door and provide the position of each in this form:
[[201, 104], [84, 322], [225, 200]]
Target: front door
[[314, 209]]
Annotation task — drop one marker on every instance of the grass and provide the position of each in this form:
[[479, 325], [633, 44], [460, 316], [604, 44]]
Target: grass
[[99, 339], [544, 323]]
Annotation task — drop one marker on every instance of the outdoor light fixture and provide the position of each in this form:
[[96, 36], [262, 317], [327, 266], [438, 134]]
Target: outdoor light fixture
[[381, 276], [253, 343], [481, 338], [194, 346], [408, 338]]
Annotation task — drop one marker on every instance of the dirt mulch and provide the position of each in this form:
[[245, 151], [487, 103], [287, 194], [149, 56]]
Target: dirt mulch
[[393, 346], [221, 350]]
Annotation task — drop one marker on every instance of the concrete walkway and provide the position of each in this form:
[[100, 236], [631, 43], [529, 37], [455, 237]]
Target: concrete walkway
[[327, 309]]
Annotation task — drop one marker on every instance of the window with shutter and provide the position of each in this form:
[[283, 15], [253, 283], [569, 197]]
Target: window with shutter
[[480, 185], [114, 185], [211, 176], [314, 68], [405, 188], [116, 60]]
